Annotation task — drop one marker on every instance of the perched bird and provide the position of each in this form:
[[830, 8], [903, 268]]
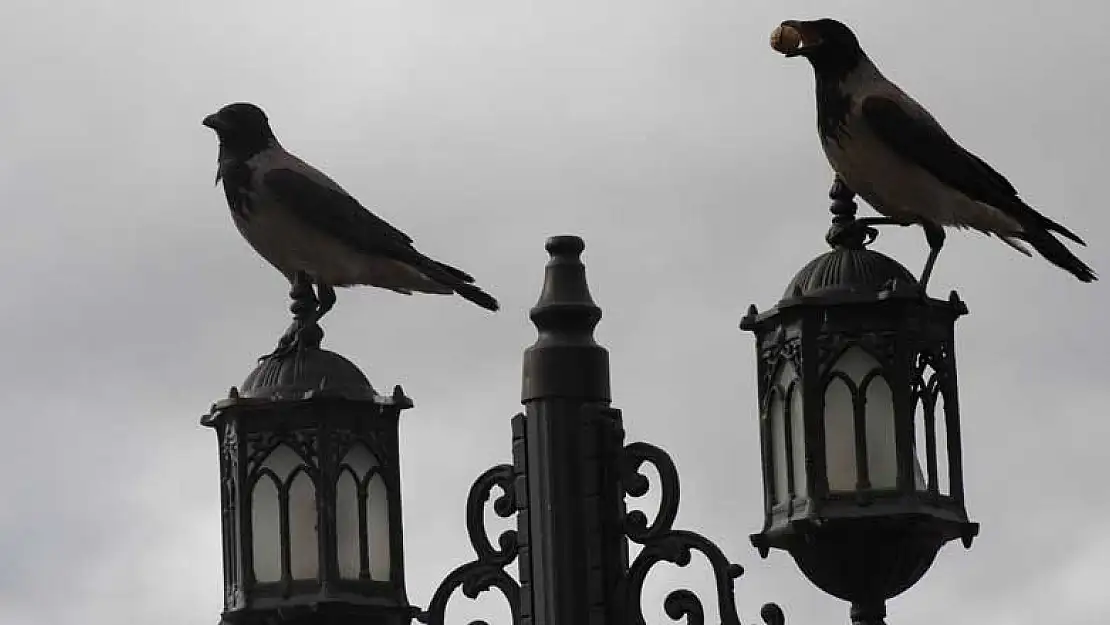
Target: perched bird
[[889, 150], [309, 228]]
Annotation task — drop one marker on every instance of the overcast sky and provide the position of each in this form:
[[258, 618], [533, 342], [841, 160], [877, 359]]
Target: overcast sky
[[666, 133]]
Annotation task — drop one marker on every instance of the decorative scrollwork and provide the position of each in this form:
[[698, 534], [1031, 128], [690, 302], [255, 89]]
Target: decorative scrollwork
[[487, 571], [260, 444], [774, 354], [661, 543], [636, 484], [342, 440], [772, 614], [505, 506], [882, 346]]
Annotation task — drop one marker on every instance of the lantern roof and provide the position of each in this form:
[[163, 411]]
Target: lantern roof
[[849, 270], [310, 370], [305, 370]]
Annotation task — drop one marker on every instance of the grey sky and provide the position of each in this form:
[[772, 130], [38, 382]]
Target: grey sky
[[667, 134]]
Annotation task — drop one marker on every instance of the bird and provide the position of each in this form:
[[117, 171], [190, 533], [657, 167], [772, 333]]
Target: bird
[[310, 229], [889, 150]]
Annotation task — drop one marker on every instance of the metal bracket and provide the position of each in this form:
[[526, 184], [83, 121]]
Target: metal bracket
[[662, 543], [487, 570]]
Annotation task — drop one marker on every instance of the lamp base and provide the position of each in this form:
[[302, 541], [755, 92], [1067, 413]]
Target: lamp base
[[865, 560]]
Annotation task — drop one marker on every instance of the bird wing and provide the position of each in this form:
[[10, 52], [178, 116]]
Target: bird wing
[[920, 140], [335, 212]]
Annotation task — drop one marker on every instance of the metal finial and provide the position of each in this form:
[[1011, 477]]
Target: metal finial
[[844, 206], [845, 232], [304, 309], [748, 321], [565, 360], [565, 305], [305, 332], [565, 244]]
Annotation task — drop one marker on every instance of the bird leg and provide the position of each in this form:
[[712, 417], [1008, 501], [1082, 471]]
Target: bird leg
[[934, 234], [859, 231], [305, 309], [326, 298]]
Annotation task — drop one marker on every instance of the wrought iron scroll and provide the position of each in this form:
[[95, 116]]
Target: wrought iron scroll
[[662, 543], [487, 570]]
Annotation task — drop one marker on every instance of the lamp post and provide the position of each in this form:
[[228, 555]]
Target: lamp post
[[859, 422], [311, 492]]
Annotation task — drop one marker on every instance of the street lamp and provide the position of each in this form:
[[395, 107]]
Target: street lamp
[[310, 491], [859, 422], [859, 430]]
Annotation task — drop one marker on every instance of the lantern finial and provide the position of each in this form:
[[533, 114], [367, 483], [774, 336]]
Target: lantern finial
[[846, 231]]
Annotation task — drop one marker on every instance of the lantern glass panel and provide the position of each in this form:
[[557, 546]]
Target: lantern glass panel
[[882, 447], [346, 524], [798, 438], [784, 408], [931, 445], [776, 415], [304, 545], [944, 485], [840, 442], [920, 447], [856, 382], [351, 501], [284, 471], [266, 530], [377, 515]]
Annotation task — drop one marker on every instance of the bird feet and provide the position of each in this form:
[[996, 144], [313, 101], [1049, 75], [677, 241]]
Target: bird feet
[[307, 308], [289, 342], [301, 335], [857, 233]]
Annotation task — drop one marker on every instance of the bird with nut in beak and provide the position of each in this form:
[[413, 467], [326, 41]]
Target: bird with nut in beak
[[886, 148], [310, 229]]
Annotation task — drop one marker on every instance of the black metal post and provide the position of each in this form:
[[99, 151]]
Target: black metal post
[[573, 552], [567, 483]]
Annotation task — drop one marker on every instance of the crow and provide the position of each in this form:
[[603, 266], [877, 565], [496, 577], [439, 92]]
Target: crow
[[309, 228], [889, 150]]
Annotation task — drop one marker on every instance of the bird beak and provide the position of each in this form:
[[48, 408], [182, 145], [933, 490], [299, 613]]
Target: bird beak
[[806, 33], [214, 122]]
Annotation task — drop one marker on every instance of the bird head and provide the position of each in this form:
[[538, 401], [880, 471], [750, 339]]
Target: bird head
[[242, 128], [829, 45]]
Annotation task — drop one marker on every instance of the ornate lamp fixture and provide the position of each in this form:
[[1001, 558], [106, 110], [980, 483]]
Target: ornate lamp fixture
[[861, 460], [310, 495], [312, 503], [859, 422]]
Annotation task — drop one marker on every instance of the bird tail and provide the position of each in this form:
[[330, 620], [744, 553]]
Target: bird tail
[[478, 296], [455, 272], [1052, 226], [457, 280], [1054, 251]]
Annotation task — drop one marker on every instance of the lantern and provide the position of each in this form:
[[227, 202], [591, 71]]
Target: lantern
[[310, 494], [859, 423]]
